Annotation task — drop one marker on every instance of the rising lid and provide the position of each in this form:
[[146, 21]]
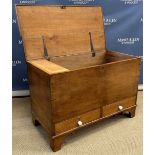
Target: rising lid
[[66, 29]]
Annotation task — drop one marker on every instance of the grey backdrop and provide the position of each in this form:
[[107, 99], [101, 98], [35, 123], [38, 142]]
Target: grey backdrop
[[123, 28]]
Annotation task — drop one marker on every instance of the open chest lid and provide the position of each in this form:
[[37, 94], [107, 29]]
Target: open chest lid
[[64, 30]]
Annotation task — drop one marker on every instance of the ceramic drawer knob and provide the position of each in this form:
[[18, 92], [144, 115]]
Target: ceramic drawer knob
[[80, 123], [120, 107]]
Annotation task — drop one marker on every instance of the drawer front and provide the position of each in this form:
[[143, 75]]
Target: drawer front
[[77, 121], [118, 106]]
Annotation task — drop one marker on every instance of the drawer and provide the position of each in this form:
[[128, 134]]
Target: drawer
[[77, 121], [117, 107]]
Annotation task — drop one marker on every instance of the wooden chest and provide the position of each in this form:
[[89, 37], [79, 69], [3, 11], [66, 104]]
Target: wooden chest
[[74, 80]]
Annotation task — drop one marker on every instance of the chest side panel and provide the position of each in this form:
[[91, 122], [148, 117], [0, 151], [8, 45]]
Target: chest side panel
[[39, 83]]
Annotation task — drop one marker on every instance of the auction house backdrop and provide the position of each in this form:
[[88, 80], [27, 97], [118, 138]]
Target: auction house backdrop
[[123, 27]]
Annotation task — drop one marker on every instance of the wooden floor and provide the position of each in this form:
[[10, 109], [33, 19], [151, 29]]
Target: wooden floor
[[118, 135]]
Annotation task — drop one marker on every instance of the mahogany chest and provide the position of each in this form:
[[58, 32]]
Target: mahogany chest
[[74, 80]]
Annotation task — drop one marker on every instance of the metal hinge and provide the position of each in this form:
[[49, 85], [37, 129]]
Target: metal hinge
[[63, 7], [45, 49], [91, 46]]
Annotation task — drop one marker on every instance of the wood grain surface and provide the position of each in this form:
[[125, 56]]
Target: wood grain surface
[[80, 61], [47, 66], [68, 29], [89, 88], [114, 107], [73, 122], [39, 83]]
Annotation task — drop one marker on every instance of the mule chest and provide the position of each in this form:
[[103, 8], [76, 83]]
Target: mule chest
[[74, 80]]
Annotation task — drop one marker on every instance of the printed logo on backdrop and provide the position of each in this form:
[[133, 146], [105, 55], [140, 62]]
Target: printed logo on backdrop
[[14, 21], [16, 62], [28, 1], [25, 79], [131, 2], [81, 1], [20, 42], [141, 19], [110, 21], [128, 41]]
